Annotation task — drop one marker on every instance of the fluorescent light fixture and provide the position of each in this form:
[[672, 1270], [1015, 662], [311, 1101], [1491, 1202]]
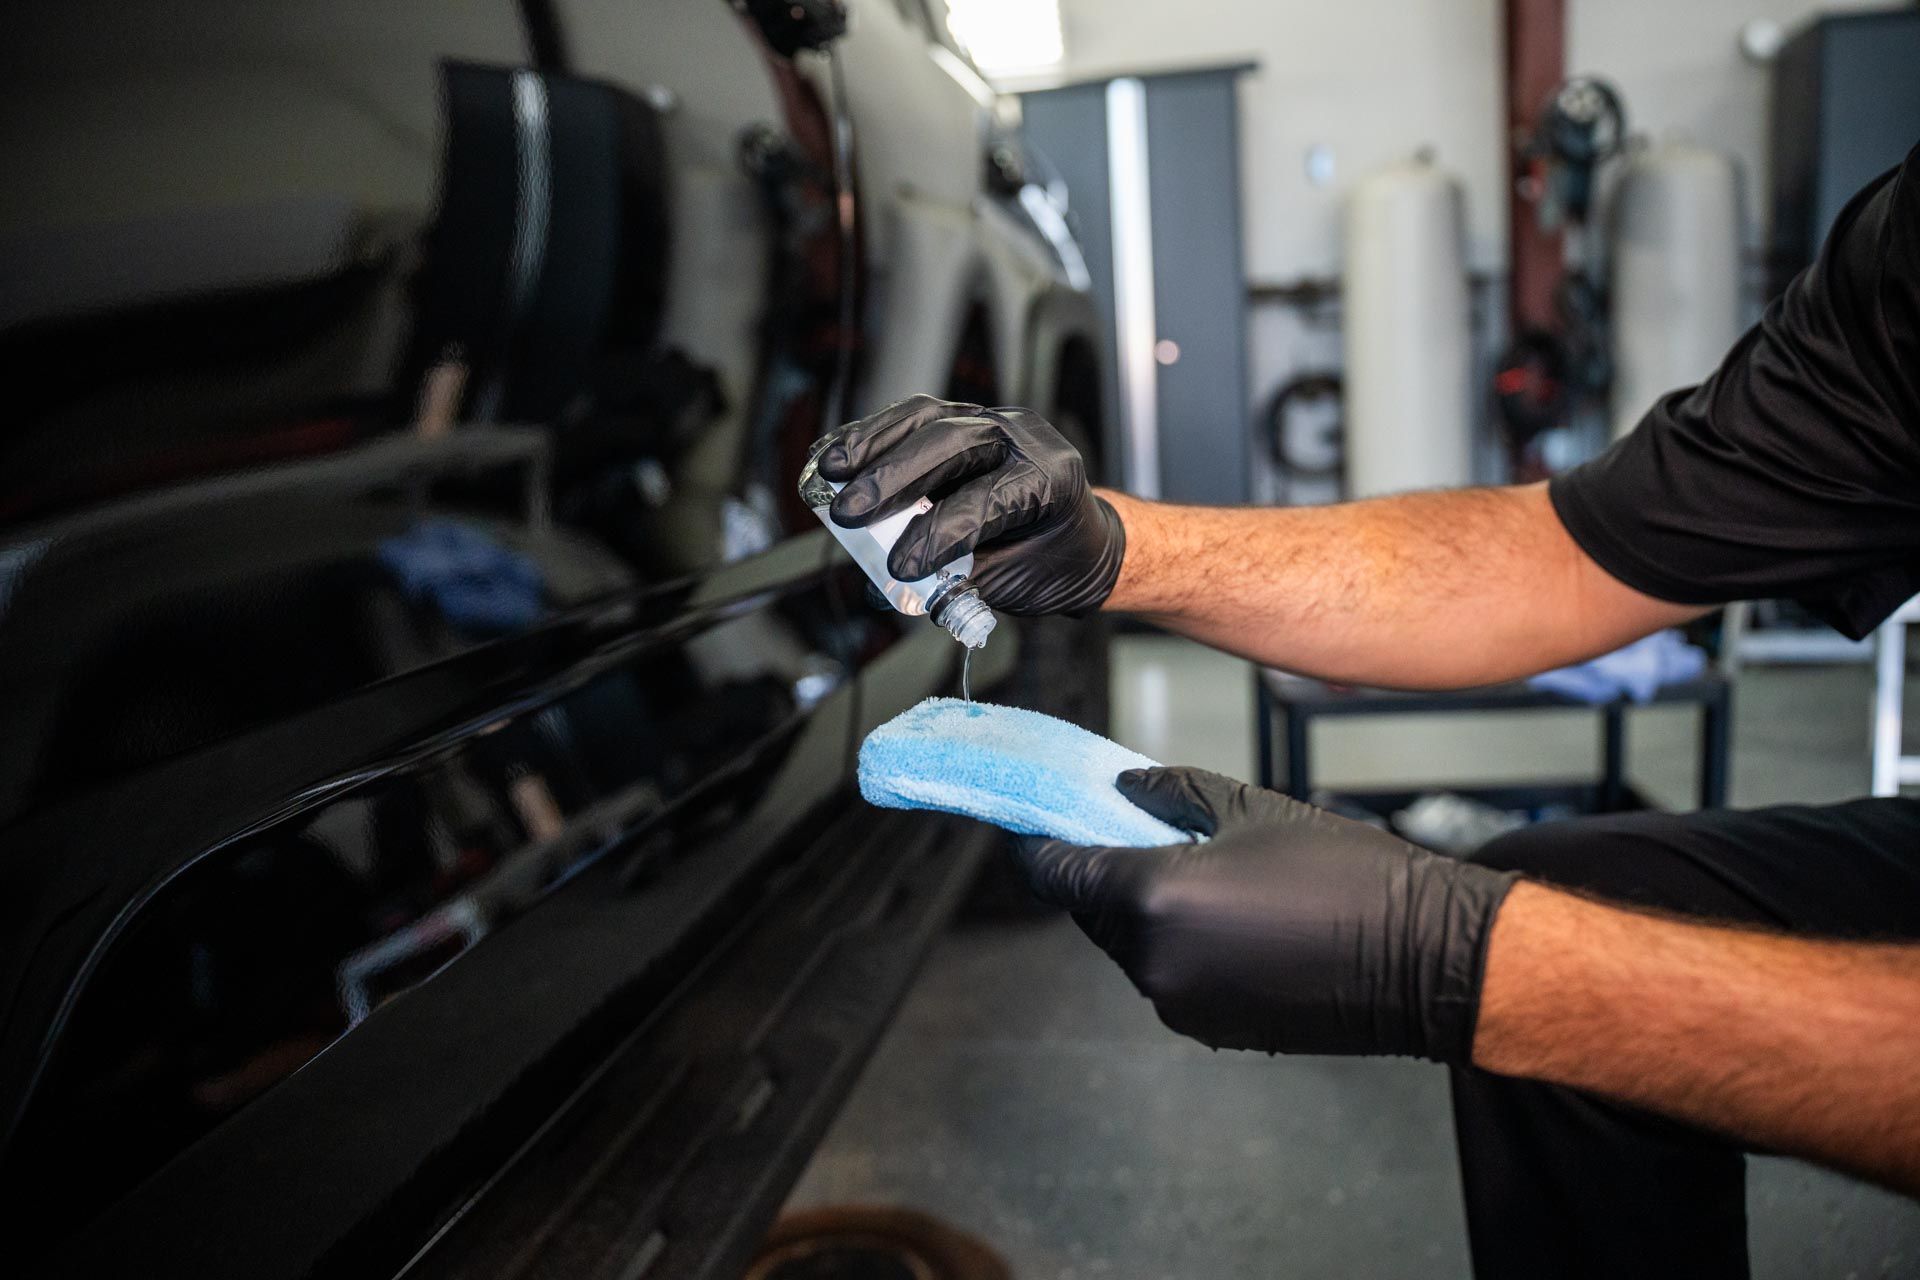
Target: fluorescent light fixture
[[1008, 35], [1130, 197]]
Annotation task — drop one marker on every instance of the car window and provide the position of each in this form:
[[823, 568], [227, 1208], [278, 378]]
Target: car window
[[458, 240]]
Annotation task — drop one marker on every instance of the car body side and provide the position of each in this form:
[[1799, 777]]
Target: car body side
[[418, 669]]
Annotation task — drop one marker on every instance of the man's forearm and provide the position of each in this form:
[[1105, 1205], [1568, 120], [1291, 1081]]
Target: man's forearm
[[1425, 590], [1803, 1047]]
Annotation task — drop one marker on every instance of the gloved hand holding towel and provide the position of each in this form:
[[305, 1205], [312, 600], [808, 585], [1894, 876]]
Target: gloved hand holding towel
[[1286, 929]]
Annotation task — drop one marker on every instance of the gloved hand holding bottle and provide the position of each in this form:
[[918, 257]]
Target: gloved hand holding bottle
[[1005, 487], [1288, 929]]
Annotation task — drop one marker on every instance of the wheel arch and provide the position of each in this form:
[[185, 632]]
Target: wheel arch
[[1064, 372]]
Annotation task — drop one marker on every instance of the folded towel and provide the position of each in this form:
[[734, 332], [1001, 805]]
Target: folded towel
[[1638, 670], [1029, 773]]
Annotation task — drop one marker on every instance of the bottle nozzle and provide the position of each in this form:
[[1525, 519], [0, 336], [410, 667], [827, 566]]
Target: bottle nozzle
[[965, 615]]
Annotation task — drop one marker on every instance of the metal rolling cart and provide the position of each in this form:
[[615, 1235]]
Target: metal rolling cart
[[1285, 708], [1892, 768]]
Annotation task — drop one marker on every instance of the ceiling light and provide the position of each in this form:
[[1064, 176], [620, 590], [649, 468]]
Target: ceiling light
[[1008, 35]]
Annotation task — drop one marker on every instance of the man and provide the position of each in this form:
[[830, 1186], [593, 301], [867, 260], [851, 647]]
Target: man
[[1629, 1002]]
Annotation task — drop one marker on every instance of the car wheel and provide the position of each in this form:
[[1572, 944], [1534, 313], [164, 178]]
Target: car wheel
[[1064, 670], [1065, 666]]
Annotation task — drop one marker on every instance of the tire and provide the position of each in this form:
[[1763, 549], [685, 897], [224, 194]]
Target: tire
[[1064, 670], [1065, 666]]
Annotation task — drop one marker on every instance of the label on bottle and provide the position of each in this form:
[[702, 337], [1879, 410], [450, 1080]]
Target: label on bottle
[[887, 532]]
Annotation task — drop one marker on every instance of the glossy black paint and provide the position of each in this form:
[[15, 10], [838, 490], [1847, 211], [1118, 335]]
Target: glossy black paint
[[390, 592], [399, 1126], [451, 800]]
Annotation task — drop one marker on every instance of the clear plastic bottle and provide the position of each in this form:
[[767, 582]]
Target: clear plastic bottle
[[944, 595]]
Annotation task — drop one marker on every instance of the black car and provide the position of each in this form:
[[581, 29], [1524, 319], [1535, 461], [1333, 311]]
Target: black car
[[427, 836]]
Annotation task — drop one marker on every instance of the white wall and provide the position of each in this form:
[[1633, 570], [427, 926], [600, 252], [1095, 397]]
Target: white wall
[[1376, 80], [1680, 70], [1373, 79]]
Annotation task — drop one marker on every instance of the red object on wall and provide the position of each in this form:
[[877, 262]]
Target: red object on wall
[[1536, 56]]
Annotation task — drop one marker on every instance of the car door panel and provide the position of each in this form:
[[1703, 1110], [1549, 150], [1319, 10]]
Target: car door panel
[[431, 717]]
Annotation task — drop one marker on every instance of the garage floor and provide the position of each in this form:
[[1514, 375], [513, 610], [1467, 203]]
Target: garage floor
[[1028, 1095]]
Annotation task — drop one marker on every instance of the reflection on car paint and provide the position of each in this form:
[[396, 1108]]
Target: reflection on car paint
[[388, 600], [393, 548], [260, 954]]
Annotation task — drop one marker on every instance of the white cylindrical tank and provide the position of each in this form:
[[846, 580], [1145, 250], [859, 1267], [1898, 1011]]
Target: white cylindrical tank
[[1673, 238], [1409, 346]]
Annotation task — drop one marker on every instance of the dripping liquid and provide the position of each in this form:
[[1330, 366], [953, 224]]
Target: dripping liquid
[[966, 676]]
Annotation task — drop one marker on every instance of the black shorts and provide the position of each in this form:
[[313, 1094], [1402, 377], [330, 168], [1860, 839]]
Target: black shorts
[[1564, 1184], [1837, 871]]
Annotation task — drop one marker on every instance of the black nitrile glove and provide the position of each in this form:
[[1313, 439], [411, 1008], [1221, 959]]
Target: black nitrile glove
[[1006, 486], [1290, 930]]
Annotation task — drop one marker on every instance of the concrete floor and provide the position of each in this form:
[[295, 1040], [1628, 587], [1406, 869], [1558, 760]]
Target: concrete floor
[[1028, 1095]]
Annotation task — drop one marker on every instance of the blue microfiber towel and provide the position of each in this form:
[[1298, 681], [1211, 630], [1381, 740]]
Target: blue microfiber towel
[[1021, 770]]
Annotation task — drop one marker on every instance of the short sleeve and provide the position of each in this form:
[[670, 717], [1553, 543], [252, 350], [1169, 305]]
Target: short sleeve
[[1794, 471]]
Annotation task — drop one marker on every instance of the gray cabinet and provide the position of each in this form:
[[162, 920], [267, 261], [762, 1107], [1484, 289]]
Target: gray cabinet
[[1151, 167]]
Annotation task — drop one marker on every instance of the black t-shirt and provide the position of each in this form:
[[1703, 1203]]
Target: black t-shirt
[[1794, 471]]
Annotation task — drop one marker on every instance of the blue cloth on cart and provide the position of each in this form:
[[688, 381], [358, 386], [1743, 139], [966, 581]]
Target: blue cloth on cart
[[1636, 671], [1021, 770]]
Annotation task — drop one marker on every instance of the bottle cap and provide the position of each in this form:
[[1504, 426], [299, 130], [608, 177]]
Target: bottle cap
[[966, 616]]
